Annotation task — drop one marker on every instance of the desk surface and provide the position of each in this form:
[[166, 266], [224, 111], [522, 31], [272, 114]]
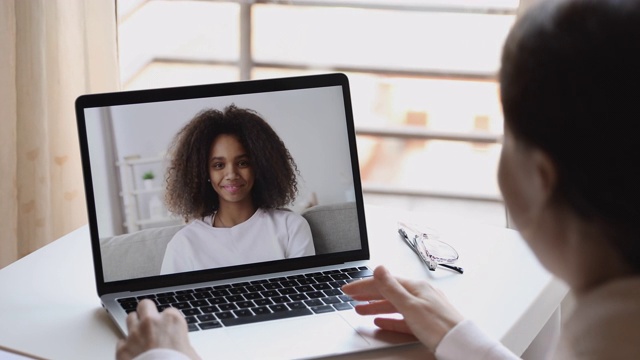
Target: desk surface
[[49, 306]]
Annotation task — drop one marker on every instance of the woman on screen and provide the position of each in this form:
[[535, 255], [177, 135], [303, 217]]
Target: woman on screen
[[230, 177]]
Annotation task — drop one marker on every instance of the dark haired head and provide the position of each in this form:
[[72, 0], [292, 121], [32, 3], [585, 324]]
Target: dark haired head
[[570, 85], [190, 195]]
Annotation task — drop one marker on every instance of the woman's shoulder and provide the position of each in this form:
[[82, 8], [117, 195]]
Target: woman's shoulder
[[603, 320]]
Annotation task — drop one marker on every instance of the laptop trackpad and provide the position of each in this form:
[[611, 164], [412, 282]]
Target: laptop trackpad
[[305, 337]]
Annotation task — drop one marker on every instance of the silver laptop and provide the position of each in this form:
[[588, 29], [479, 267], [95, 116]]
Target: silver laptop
[[284, 308]]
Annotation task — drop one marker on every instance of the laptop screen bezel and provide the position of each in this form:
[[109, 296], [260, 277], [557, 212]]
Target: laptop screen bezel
[[206, 91]]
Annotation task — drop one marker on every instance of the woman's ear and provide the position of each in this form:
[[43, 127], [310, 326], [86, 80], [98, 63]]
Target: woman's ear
[[545, 171]]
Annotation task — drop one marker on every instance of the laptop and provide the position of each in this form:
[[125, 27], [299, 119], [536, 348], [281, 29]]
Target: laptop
[[289, 307]]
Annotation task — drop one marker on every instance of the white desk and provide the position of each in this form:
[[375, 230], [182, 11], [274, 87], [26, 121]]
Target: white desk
[[49, 306]]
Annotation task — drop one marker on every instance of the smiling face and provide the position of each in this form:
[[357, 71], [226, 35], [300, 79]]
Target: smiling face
[[230, 171]]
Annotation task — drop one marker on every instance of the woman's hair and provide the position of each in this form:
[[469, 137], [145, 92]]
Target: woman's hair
[[188, 192], [570, 85]]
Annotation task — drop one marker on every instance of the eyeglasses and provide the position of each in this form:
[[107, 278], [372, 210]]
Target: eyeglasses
[[431, 251]]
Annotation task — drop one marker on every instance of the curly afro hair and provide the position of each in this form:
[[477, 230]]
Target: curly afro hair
[[188, 192]]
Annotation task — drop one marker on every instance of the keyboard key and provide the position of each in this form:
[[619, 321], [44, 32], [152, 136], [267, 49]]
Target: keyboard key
[[289, 283], [129, 305], [341, 276], [304, 288], [360, 274], [266, 317], [219, 293], [333, 292], [198, 303], [252, 296], [216, 301], [279, 307], [225, 315], [227, 306], [166, 300], [296, 305], [162, 307], [295, 277], [313, 302], [255, 288], [234, 298], [243, 312], [202, 295], [323, 278], [238, 290], [330, 272], [280, 299], [298, 297], [191, 312], [245, 304], [272, 286], [209, 309], [261, 310], [181, 305], [331, 300], [342, 306], [269, 293], [262, 302], [322, 309], [315, 294], [206, 317], [210, 325], [306, 281], [322, 286], [287, 291]]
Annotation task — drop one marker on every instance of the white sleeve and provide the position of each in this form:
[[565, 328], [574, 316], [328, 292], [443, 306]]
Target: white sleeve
[[162, 354], [467, 341], [175, 259], [300, 238]]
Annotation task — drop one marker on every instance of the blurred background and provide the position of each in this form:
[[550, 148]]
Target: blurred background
[[422, 72]]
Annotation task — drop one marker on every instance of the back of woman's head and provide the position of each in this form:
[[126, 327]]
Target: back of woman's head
[[570, 85], [190, 194]]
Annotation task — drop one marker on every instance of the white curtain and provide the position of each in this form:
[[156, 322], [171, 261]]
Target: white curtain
[[51, 51]]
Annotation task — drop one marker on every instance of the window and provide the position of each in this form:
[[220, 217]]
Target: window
[[425, 97]]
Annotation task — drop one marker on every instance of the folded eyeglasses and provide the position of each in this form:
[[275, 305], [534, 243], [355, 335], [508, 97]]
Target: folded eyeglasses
[[431, 251]]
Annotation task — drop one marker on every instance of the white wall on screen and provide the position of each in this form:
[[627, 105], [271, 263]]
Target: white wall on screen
[[308, 127]]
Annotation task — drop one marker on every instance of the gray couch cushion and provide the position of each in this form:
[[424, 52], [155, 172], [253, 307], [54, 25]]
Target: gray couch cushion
[[138, 254], [334, 227]]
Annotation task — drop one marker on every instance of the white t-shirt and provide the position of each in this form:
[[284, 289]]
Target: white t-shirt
[[267, 235]]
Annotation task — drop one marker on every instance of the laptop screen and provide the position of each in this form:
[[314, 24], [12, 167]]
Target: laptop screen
[[146, 190]]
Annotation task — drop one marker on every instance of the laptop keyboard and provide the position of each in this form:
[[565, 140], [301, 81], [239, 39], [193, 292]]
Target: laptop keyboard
[[260, 300]]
